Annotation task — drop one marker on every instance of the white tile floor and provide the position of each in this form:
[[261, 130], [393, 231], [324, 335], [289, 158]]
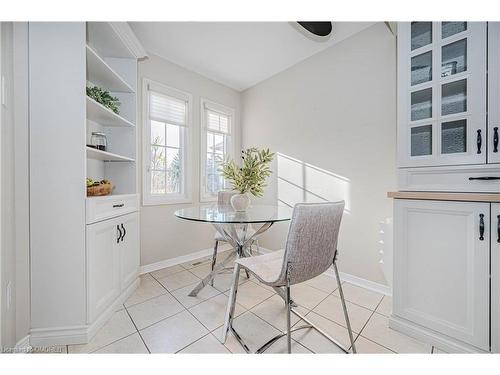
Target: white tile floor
[[160, 317]]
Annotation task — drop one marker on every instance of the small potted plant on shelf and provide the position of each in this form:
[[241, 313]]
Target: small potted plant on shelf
[[103, 97], [249, 178]]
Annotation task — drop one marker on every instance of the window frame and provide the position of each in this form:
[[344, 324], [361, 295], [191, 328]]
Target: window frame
[[185, 196], [206, 104]]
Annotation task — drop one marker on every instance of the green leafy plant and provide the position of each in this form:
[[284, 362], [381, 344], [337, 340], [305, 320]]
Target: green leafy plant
[[103, 97], [252, 175]]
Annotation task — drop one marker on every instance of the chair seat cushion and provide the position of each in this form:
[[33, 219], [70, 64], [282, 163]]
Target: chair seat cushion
[[220, 237], [267, 267]]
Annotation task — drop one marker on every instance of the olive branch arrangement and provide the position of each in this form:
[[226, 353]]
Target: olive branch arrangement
[[103, 97], [252, 175]]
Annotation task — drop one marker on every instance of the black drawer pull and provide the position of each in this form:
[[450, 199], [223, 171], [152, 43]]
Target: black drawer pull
[[124, 232], [495, 139], [118, 205], [486, 178], [498, 229], [481, 227], [119, 234], [479, 141]]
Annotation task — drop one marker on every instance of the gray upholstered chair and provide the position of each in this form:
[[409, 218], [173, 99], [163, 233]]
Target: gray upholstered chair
[[311, 248], [224, 199]]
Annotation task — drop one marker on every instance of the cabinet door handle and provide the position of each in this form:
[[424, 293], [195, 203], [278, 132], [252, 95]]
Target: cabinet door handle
[[481, 227], [124, 232], [495, 139], [119, 234], [479, 141], [118, 205], [498, 228], [486, 178]]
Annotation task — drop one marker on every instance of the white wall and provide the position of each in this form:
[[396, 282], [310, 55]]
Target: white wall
[[333, 117], [163, 236]]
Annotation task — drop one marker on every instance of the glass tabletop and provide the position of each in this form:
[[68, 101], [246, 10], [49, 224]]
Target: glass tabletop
[[226, 215]]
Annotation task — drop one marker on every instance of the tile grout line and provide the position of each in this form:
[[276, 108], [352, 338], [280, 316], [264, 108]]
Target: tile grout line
[[185, 309], [137, 329]]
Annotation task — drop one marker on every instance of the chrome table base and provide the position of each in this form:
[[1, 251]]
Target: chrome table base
[[240, 246]]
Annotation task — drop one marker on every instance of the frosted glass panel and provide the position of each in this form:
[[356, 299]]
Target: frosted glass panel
[[421, 34], [421, 140], [454, 137], [421, 68], [454, 97], [452, 28], [454, 58], [421, 104]]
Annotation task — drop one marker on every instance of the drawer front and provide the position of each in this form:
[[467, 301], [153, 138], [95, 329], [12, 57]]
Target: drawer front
[[471, 179], [102, 208]]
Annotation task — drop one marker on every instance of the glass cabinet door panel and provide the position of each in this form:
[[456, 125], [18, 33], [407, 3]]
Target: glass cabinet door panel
[[421, 68], [452, 28], [454, 137], [454, 97], [421, 140], [421, 104], [454, 58], [421, 34]]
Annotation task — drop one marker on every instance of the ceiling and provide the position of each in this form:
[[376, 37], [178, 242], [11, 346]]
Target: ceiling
[[236, 54]]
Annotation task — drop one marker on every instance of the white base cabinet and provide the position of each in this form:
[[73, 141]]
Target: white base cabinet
[[441, 268], [495, 277], [112, 261]]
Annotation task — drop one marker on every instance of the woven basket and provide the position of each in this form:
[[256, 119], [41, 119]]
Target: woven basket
[[104, 189]]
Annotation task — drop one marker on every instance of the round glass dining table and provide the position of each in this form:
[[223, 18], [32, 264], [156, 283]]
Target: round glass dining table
[[234, 228]]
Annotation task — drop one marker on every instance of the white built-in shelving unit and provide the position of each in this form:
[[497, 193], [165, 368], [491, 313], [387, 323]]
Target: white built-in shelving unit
[[85, 250]]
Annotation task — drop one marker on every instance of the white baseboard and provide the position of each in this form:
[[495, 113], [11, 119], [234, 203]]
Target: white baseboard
[[420, 333], [78, 334], [181, 259], [355, 280], [23, 345]]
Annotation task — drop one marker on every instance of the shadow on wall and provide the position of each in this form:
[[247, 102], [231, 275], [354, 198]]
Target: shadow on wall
[[298, 182]]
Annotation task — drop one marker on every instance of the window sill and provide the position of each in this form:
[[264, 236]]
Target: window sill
[[165, 202]]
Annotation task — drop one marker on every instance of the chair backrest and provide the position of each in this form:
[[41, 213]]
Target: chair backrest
[[311, 245], [224, 197]]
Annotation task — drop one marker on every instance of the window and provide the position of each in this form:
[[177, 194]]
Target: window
[[216, 146], [165, 143]]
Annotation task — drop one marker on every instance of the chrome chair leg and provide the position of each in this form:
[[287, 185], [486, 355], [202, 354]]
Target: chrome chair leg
[[288, 320], [344, 307], [214, 259]]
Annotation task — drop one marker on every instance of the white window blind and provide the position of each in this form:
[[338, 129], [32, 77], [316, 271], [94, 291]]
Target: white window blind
[[167, 109], [217, 122]]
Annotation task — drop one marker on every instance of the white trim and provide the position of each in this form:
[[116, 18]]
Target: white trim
[[78, 334], [129, 39], [351, 279], [181, 259], [440, 341], [23, 345], [231, 113], [186, 197]]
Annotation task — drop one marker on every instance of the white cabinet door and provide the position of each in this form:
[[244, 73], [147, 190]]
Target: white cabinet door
[[129, 249], [441, 267], [493, 92], [495, 277], [103, 283], [441, 93]]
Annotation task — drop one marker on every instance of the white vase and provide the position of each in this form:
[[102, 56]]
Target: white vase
[[240, 202]]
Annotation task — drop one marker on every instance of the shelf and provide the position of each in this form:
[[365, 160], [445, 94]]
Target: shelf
[[93, 153], [98, 113], [101, 74]]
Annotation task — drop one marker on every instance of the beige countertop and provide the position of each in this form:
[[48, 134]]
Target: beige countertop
[[435, 196]]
